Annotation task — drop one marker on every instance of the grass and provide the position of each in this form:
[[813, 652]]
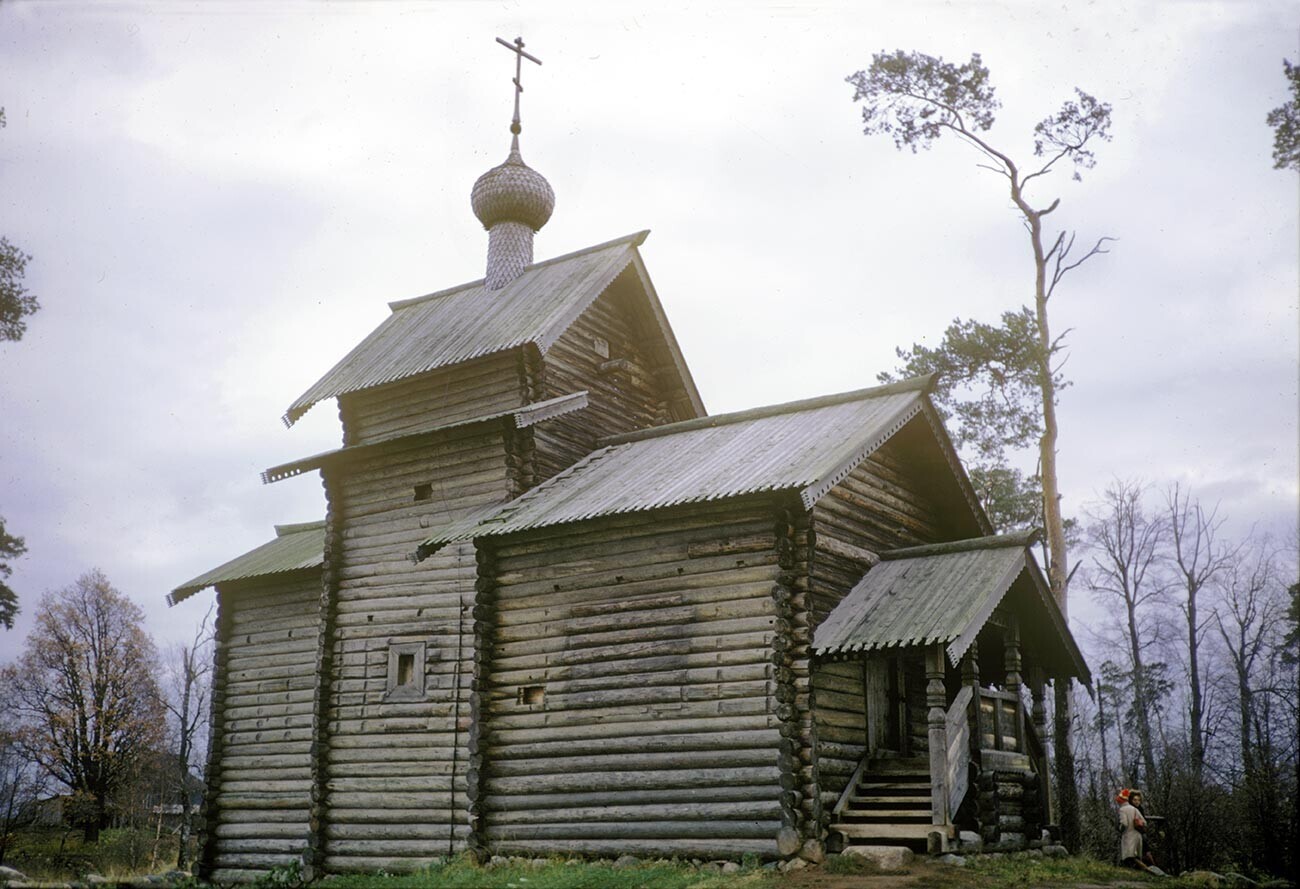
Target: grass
[[57, 853], [559, 874]]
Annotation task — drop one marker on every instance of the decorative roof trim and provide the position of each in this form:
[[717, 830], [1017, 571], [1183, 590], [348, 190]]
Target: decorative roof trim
[[958, 470], [1059, 622], [670, 339], [811, 494], [963, 642], [298, 528], [994, 541], [521, 417], [918, 384]]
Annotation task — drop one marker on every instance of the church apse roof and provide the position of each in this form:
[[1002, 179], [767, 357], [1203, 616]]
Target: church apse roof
[[470, 321], [294, 548], [805, 447]]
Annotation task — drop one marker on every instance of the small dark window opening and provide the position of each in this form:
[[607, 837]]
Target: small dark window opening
[[532, 695], [405, 669], [423, 492]]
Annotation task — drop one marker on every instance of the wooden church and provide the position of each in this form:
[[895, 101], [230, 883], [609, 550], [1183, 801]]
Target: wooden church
[[554, 607]]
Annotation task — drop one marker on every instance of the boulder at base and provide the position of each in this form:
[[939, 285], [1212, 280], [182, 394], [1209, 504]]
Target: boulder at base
[[885, 857]]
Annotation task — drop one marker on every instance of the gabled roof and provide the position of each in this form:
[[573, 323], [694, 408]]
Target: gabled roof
[[945, 593], [470, 321], [804, 446], [520, 417], [294, 548]]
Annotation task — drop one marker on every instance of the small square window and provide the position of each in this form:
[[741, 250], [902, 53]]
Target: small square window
[[423, 492], [405, 671], [532, 695]]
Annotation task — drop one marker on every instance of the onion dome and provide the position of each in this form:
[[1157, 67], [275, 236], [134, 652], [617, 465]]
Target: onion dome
[[513, 192]]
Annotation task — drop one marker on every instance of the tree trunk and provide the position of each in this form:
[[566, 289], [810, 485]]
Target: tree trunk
[[1053, 524], [1140, 697], [1194, 680]]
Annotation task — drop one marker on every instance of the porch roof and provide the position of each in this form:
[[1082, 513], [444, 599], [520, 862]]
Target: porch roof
[[945, 594]]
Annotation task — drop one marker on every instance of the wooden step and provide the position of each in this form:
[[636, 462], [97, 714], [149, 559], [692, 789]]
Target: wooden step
[[885, 831], [908, 816], [912, 764], [895, 788], [895, 801]]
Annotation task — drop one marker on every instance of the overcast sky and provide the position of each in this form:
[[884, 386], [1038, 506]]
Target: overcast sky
[[220, 200]]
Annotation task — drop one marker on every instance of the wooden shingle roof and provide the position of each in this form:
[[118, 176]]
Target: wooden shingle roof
[[945, 593], [295, 547], [805, 447], [470, 321]]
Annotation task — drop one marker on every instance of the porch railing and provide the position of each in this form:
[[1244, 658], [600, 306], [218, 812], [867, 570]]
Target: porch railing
[[957, 770]]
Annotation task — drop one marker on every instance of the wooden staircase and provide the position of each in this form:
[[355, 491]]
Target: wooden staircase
[[889, 805]]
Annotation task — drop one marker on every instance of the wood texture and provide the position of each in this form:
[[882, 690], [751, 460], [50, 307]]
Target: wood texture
[[646, 728], [258, 809]]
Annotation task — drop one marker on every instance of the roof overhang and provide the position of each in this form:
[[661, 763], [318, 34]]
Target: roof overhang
[[298, 547], [518, 418], [945, 594]]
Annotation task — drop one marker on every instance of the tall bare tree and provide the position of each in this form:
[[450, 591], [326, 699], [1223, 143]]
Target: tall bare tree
[[84, 692], [1197, 557], [915, 98], [1126, 550], [189, 671]]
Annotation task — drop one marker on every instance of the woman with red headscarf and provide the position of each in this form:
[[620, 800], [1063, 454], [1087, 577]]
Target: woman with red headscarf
[[1132, 825]]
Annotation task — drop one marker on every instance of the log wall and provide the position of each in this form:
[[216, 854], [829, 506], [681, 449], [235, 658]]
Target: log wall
[[260, 791], [447, 395], [395, 760], [630, 704], [605, 353]]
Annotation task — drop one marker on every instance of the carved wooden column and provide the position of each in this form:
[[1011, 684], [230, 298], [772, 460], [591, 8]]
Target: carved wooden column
[[1011, 638], [936, 699], [970, 676], [1038, 689]]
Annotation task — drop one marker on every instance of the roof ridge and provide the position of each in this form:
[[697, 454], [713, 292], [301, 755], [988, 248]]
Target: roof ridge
[[636, 239], [913, 384], [298, 527], [994, 541]]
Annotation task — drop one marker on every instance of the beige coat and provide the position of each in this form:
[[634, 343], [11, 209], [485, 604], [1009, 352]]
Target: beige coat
[[1130, 841]]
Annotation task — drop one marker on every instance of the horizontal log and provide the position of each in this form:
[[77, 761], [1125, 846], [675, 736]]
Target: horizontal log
[[372, 864], [616, 670], [756, 642], [265, 830], [433, 825], [504, 749], [568, 783], [696, 848], [505, 736], [242, 815], [615, 830], [761, 794], [371, 800], [620, 762], [748, 810]]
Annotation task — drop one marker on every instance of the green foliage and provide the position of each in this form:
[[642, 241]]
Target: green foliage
[[15, 302], [10, 548], [286, 876], [913, 97], [58, 854], [462, 873], [989, 382], [1285, 121]]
